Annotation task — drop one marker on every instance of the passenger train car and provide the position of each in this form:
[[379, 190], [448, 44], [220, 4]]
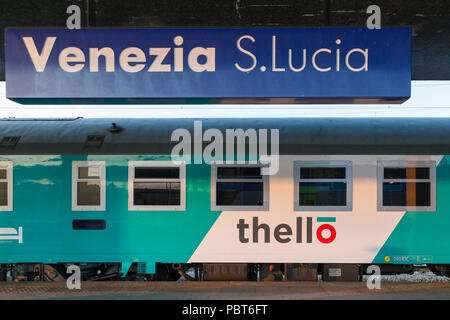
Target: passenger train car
[[106, 195]]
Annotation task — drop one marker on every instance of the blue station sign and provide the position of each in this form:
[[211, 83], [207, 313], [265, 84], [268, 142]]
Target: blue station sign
[[219, 63]]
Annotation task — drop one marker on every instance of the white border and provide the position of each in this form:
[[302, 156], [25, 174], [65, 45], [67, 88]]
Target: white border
[[406, 164], [102, 180], [264, 180], [8, 165], [182, 179], [324, 164]]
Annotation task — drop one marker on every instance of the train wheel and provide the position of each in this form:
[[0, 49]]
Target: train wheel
[[165, 272]]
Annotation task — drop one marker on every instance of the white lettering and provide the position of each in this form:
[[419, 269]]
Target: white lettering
[[365, 66], [157, 65], [274, 45], [70, 55], [290, 61], [132, 55], [209, 65], [39, 60], [314, 60], [178, 54], [95, 53], [247, 53]]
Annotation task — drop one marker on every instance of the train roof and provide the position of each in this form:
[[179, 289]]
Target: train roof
[[296, 135]]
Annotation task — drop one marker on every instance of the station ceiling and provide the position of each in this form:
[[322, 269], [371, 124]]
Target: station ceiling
[[430, 19]]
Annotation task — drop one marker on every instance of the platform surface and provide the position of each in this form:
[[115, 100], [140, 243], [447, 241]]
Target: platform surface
[[226, 290]]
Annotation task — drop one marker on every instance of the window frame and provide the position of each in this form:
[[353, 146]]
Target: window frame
[[348, 165], [101, 179], [214, 180], [406, 164], [8, 165], [155, 164]]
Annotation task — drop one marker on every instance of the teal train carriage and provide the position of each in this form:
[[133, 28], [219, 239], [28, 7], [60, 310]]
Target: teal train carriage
[[105, 194]]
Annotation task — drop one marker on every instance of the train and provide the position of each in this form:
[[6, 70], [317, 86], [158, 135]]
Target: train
[[106, 195]]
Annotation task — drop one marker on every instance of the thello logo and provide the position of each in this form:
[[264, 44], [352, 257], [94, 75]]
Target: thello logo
[[284, 233], [326, 233]]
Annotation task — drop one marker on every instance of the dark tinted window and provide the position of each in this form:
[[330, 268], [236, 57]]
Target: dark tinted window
[[89, 172], [406, 194], [323, 193], [239, 173], [88, 193], [88, 224], [3, 174], [406, 173], [3, 193], [240, 194], [156, 193], [156, 173], [322, 173]]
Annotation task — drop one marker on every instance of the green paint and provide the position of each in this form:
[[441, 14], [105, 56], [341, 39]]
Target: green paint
[[42, 206], [326, 219], [423, 237]]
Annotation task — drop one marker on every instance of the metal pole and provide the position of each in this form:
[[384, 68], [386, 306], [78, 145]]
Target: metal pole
[[87, 13], [90, 13], [327, 12]]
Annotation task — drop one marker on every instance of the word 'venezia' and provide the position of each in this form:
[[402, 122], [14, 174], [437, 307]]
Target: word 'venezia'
[[199, 59]]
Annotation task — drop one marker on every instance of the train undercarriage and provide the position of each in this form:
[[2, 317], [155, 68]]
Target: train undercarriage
[[210, 271]]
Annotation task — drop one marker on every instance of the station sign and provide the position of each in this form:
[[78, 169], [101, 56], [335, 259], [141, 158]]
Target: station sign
[[220, 63]]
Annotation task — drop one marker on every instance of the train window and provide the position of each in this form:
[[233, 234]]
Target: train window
[[239, 188], [406, 186], [88, 185], [323, 186], [156, 185], [6, 185]]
